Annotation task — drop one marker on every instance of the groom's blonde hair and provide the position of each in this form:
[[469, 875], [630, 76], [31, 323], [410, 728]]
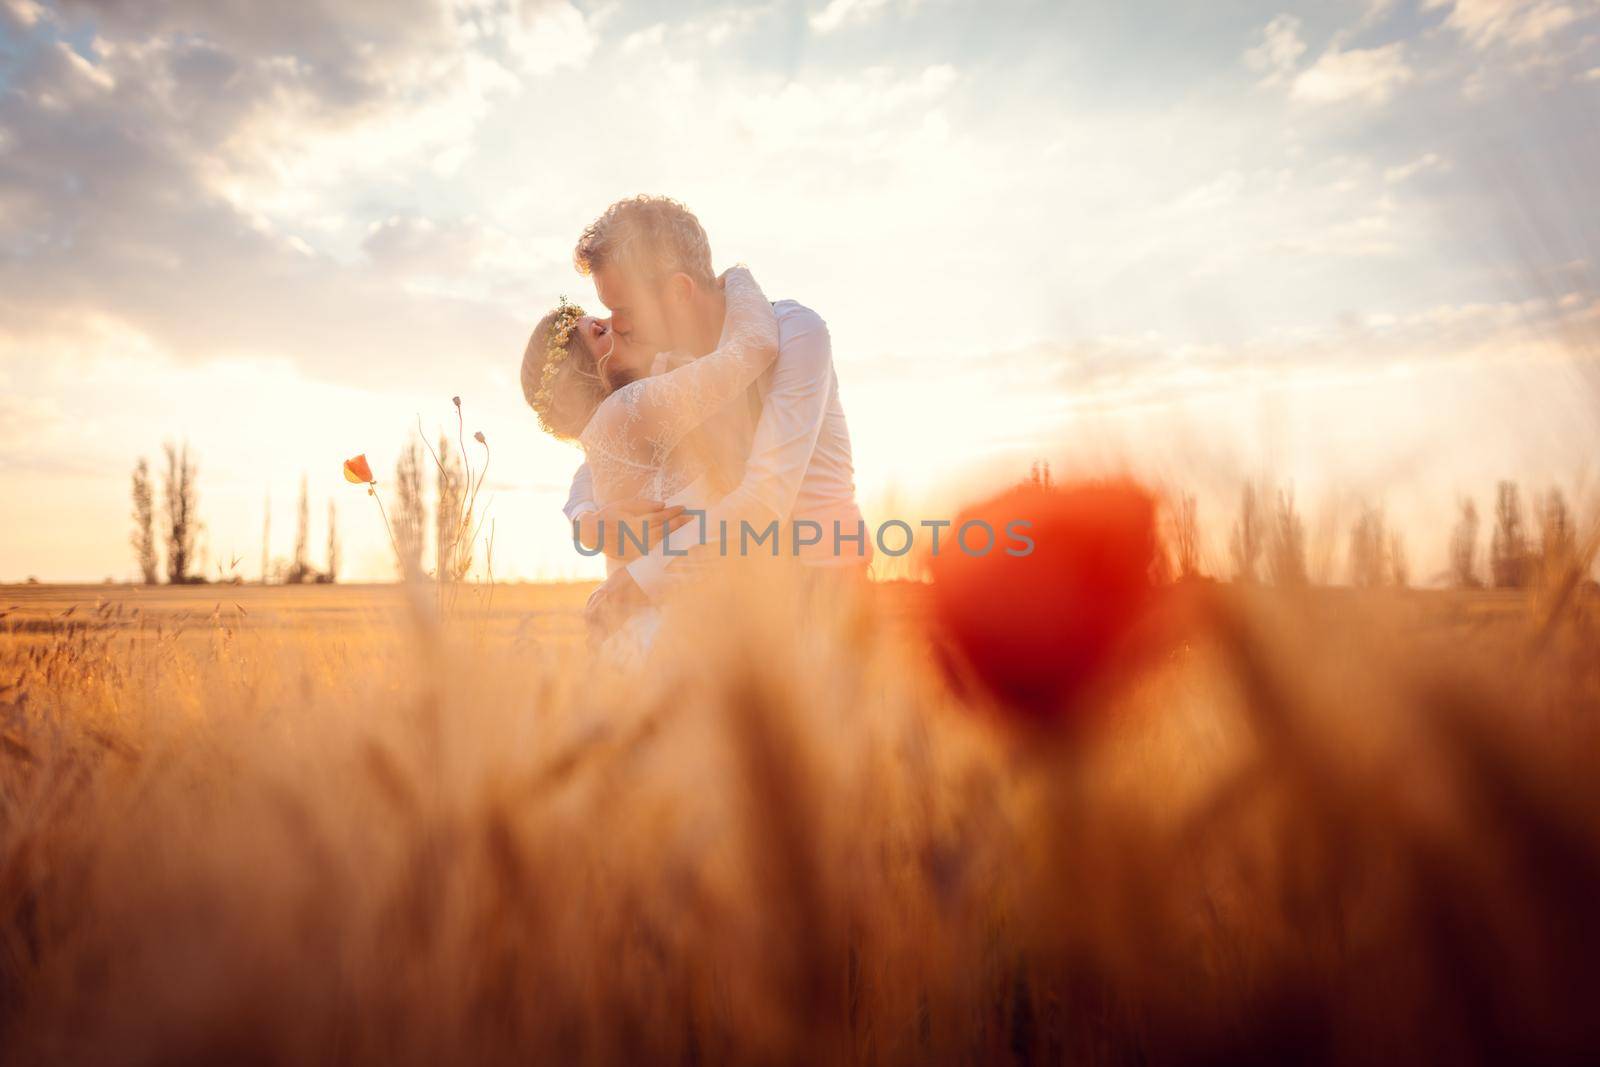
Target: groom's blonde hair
[[653, 236]]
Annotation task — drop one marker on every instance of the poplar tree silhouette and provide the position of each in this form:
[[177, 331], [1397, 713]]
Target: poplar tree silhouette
[[181, 512], [144, 523], [1186, 536], [1369, 550], [1508, 549], [1464, 548], [411, 511], [332, 573], [1245, 545], [1286, 548]]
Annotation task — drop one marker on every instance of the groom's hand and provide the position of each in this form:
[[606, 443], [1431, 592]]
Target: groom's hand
[[617, 598], [647, 521]]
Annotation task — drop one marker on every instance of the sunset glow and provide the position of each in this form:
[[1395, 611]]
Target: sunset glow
[[1306, 244], [861, 532]]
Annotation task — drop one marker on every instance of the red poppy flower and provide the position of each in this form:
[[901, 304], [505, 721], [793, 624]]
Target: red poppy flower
[[357, 470], [1040, 627]]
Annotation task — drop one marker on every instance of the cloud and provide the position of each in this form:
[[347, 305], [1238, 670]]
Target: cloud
[[714, 29], [1279, 51], [1377, 11], [183, 174], [841, 13], [1405, 171], [1370, 234], [530, 37], [1369, 75], [1119, 371], [880, 106], [24, 13], [1519, 23], [417, 245], [344, 54]]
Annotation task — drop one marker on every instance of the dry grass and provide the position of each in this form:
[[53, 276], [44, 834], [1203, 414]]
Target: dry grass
[[320, 825]]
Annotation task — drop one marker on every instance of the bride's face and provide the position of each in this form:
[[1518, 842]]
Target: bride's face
[[618, 360]]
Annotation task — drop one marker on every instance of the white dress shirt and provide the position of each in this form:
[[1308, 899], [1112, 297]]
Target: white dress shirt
[[799, 468]]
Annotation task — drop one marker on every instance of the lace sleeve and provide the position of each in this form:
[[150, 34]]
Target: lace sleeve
[[641, 422]]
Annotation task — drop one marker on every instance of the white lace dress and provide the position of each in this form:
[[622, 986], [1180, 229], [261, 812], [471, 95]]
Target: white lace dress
[[630, 438]]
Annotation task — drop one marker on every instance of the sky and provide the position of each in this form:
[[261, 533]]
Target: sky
[[1343, 248]]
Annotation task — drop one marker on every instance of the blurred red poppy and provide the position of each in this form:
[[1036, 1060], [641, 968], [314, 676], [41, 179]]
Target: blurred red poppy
[[1039, 629], [357, 470]]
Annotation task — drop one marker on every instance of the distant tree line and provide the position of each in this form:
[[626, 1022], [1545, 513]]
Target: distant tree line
[[1267, 542], [1268, 539], [171, 518], [299, 570], [1516, 557], [175, 525], [176, 522]]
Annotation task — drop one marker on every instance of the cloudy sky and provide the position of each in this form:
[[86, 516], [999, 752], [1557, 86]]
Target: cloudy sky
[[1348, 246]]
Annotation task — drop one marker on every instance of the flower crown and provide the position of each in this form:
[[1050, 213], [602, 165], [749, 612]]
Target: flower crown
[[556, 351]]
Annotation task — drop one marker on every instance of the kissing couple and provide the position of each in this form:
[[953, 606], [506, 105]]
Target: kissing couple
[[709, 419]]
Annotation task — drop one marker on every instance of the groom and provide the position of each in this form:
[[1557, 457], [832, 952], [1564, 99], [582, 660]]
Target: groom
[[651, 265]]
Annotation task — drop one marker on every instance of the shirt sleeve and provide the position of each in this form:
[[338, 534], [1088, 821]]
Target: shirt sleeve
[[580, 498], [785, 438]]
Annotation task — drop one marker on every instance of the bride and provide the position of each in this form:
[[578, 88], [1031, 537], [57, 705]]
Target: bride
[[591, 385]]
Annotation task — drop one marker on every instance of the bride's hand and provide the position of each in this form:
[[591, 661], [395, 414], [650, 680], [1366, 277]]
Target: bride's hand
[[611, 604], [648, 521]]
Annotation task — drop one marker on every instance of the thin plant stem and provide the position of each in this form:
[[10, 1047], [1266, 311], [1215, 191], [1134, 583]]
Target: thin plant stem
[[454, 557], [372, 491], [461, 442]]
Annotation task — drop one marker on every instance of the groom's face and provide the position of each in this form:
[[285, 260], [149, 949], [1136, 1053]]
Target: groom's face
[[638, 312]]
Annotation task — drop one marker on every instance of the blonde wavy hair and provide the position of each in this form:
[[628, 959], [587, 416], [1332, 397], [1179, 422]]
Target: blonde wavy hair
[[653, 236], [559, 378]]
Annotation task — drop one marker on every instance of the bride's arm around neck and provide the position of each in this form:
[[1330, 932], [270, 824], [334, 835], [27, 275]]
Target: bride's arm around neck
[[643, 420]]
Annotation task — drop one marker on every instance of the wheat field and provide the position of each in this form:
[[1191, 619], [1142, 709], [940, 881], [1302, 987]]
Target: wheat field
[[353, 824]]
